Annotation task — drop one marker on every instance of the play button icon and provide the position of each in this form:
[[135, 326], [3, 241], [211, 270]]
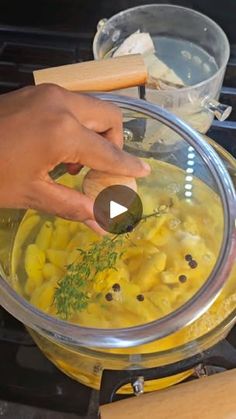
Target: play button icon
[[118, 209]]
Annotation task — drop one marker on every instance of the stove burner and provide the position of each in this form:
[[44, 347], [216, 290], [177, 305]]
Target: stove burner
[[26, 376], [219, 358]]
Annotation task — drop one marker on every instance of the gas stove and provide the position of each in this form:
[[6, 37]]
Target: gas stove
[[30, 386]]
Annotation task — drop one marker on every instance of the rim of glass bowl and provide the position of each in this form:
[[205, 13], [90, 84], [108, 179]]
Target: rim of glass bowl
[[168, 356], [69, 333], [183, 90]]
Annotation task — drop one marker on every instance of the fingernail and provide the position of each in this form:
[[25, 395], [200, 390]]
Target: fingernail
[[146, 166]]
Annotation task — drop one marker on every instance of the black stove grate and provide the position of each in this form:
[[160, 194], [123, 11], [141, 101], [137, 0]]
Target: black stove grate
[[26, 376], [225, 132], [24, 50]]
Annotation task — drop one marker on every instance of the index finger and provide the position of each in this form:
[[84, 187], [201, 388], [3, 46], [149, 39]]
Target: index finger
[[97, 115], [95, 152]]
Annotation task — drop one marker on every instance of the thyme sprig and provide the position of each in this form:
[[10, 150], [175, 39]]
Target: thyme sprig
[[72, 292]]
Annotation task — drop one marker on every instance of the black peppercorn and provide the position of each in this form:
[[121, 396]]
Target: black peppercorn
[[140, 297], [193, 264], [182, 278], [116, 287], [108, 296], [129, 228], [188, 258]]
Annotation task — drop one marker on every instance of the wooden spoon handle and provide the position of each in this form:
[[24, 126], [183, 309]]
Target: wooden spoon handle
[[211, 397], [93, 76]]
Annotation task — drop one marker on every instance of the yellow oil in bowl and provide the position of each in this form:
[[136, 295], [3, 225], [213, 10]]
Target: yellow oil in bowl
[[157, 267]]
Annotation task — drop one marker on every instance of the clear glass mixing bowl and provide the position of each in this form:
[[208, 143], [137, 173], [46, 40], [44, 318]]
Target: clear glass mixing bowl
[[198, 323]]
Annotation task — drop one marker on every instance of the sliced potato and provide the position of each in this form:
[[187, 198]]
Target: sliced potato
[[60, 237], [34, 261], [148, 274], [44, 237], [57, 257], [51, 271]]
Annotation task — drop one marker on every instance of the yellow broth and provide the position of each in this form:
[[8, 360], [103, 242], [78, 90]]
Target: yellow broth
[[164, 261], [153, 260]]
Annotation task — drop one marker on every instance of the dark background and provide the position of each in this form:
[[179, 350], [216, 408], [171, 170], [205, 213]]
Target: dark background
[[83, 15]]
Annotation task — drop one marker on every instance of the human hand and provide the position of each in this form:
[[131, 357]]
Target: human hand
[[41, 127]]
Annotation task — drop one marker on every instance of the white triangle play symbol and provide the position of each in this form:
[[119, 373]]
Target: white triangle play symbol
[[116, 209]]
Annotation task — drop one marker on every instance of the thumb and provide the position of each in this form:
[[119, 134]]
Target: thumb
[[56, 199]]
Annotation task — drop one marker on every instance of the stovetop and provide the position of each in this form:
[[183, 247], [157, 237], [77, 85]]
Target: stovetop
[[28, 378], [23, 50], [61, 32], [31, 387]]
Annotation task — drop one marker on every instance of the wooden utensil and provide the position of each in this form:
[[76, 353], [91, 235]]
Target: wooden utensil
[[207, 398], [99, 75]]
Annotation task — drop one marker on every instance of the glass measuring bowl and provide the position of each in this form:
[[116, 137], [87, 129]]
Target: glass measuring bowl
[[83, 352], [197, 104]]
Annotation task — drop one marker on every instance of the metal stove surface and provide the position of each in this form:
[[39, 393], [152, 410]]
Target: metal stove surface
[[28, 378], [30, 386]]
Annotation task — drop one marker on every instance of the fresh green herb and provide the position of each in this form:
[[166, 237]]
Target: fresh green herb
[[158, 212], [72, 292]]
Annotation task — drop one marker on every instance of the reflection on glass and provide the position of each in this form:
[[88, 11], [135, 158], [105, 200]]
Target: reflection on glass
[[189, 170]]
